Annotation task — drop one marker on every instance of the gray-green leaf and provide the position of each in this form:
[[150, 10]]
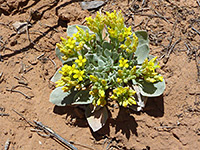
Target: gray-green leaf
[[72, 29], [152, 89], [96, 119]]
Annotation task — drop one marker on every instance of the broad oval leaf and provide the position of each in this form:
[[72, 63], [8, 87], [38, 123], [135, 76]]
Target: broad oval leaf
[[142, 37], [152, 89], [142, 53], [72, 29], [56, 76], [82, 97], [57, 97], [59, 54], [96, 119], [107, 45], [107, 53]]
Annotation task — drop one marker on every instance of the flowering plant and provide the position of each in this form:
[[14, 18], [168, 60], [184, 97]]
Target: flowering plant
[[105, 62]]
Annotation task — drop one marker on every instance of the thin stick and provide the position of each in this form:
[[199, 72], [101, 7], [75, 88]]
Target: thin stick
[[139, 24], [151, 15], [143, 2], [53, 63], [7, 144], [2, 114], [1, 74], [195, 30], [53, 134], [170, 51], [188, 49], [41, 56], [161, 16], [86, 146], [29, 122], [26, 96], [198, 3]]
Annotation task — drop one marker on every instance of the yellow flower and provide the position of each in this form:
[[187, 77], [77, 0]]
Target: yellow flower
[[118, 91], [66, 88], [101, 102], [72, 69], [93, 78], [120, 72], [80, 61], [101, 93], [133, 70], [119, 80], [113, 97], [131, 100], [79, 75], [66, 79], [123, 63], [113, 32], [127, 31], [97, 24], [103, 82], [80, 46], [60, 83], [71, 43]]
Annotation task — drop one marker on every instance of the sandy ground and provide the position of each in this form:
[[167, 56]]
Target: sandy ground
[[28, 61]]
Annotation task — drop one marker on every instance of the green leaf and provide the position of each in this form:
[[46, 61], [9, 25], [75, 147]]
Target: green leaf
[[101, 63], [82, 97], [56, 76], [107, 45], [60, 98], [115, 56], [142, 53], [72, 29], [59, 54], [96, 119], [107, 53], [151, 89], [99, 50], [142, 37]]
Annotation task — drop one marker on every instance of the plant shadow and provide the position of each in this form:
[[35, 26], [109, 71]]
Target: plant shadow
[[155, 106], [124, 123], [74, 115]]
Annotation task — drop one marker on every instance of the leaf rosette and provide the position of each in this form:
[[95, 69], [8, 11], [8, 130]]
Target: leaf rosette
[[102, 62]]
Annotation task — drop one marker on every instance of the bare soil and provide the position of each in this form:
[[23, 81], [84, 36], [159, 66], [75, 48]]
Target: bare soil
[[28, 61]]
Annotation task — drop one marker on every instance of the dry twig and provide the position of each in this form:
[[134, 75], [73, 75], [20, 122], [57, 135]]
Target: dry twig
[[7, 144], [170, 51], [195, 30], [48, 131], [26, 96]]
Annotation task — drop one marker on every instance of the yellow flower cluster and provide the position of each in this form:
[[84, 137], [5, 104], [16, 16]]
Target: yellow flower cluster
[[98, 92], [148, 71], [71, 75], [115, 25], [83, 36], [124, 95], [123, 63], [67, 47], [97, 24], [130, 45], [70, 46]]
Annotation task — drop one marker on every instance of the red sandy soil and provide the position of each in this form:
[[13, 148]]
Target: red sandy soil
[[171, 121]]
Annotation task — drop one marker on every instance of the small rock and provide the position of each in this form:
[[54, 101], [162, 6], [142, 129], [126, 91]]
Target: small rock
[[30, 135], [13, 43], [20, 27], [91, 5]]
